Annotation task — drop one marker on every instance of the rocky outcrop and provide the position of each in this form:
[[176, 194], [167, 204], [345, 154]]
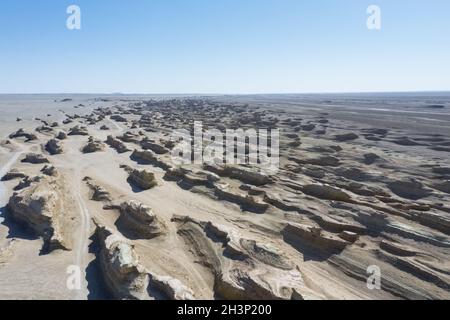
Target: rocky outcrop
[[53, 147], [130, 137], [139, 221], [247, 202], [61, 135], [371, 158], [246, 175], [326, 192], [409, 189], [98, 193], [118, 118], [41, 208], [147, 144], [49, 171], [13, 174], [313, 238], [323, 161], [23, 134], [149, 157], [243, 269], [93, 146], [35, 158], [141, 178], [443, 186], [117, 144], [346, 137], [171, 288], [124, 276], [78, 131]]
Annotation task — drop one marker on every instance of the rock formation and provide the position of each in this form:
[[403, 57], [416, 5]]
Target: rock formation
[[124, 276], [35, 158], [117, 144], [53, 147], [23, 134], [41, 208], [140, 221], [93, 146], [141, 178]]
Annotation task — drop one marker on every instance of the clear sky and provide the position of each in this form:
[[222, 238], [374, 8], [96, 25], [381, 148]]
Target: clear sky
[[224, 46]]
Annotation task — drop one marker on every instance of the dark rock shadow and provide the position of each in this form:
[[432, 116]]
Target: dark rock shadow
[[134, 188], [126, 232], [309, 253], [15, 229], [97, 287]]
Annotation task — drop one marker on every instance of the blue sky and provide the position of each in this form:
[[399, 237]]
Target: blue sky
[[224, 46]]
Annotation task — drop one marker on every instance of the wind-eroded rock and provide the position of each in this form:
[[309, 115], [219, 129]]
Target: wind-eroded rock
[[78, 131], [312, 237], [23, 134], [35, 158], [246, 175], [243, 269], [155, 147], [130, 137], [409, 189], [53, 147], [149, 157], [98, 193], [247, 202], [325, 161], [326, 192], [41, 207], [117, 144], [61, 135], [124, 276], [141, 178], [49, 171], [346, 137], [13, 174], [93, 146], [140, 221]]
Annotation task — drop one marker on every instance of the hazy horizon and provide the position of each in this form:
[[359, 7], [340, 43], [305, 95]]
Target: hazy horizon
[[224, 47]]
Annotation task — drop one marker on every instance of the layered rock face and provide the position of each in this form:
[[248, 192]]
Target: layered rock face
[[140, 221], [243, 269], [125, 276], [315, 239], [122, 272], [40, 207]]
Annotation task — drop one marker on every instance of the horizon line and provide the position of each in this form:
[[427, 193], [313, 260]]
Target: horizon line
[[228, 94]]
